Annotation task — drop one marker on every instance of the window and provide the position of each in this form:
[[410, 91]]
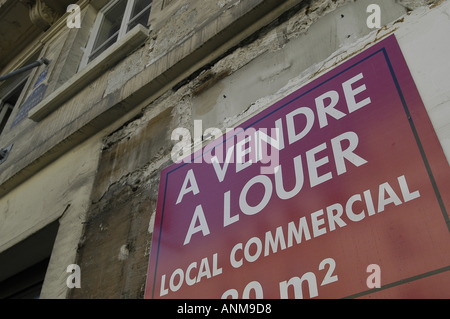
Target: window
[[113, 21], [8, 102], [24, 265], [12, 92]]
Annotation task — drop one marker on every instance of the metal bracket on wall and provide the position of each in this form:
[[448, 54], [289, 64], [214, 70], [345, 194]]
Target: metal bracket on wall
[[4, 152]]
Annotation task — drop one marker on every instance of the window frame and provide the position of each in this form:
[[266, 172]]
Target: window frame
[[18, 103], [88, 51], [3, 110]]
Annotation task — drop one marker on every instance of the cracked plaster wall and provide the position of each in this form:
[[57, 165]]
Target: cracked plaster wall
[[119, 209], [276, 61]]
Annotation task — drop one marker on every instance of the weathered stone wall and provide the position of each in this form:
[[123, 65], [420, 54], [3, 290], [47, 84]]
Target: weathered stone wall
[[106, 145], [127, 78], [113, 252], [294, 49], [50, 171]]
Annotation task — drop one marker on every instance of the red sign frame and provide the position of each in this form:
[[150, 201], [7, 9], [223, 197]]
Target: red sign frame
[[363, 181]]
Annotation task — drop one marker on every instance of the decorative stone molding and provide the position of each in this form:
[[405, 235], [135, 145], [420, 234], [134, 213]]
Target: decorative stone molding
[[41, 14]]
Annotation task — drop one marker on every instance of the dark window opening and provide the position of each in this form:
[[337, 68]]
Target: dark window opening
[[24, 265], [8, 104], [27, 284]]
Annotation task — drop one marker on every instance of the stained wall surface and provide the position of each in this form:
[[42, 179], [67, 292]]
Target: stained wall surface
[[92, 163]]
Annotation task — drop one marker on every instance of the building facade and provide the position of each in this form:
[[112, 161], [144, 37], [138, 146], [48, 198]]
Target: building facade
[[84, 138]]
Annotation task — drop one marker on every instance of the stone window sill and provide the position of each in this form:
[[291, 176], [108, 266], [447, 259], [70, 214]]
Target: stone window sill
[[90, 72]]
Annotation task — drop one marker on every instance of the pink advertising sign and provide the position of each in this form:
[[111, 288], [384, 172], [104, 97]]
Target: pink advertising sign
[[301, 199]]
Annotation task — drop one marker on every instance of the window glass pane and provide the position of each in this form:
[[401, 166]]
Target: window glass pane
[[104, 46], [141, 19], [140, 13], [8, 105], [110, 26], [7, 113], [138, 6]]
